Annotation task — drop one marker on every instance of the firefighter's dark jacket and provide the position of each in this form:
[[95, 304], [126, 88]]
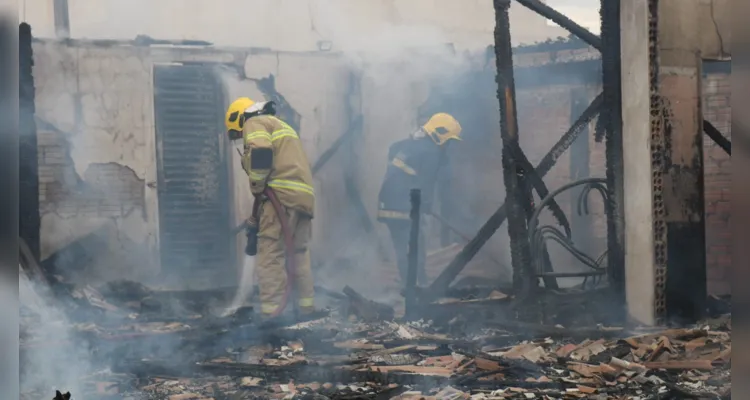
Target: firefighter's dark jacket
[[412, 164]]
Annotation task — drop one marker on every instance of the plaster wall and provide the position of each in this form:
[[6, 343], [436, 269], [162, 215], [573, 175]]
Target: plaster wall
[[715, 21], [91, 106]]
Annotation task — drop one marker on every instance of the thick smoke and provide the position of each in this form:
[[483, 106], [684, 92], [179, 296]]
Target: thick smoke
[[54, 359]]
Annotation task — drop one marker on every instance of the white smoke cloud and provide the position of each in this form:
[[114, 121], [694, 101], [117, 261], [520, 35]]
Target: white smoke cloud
[[51, 357]]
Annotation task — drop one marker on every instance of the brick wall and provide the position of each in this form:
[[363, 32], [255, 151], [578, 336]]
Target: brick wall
[[105, 190], [718, 181]]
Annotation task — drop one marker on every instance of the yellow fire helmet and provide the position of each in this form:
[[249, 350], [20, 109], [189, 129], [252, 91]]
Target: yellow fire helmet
[[442, 127], [235, 115]]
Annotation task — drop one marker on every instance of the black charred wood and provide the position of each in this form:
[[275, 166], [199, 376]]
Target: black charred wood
[[61, 396], [611, 122], [449, 274], [520, 251], [411, 274], [367, 309], [526, 330], [297, 372]]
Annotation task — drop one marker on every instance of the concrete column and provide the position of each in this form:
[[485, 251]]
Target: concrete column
[[680, 78], [636, 137], [580, 152]]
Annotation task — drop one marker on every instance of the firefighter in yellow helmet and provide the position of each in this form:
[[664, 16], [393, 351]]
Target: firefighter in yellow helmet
[[274, 158], [414, 163]]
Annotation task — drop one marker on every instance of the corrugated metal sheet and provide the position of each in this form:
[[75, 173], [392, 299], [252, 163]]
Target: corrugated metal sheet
[[192, 187]]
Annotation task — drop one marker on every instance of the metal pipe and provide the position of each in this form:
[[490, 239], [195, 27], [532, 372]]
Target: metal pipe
[[411, 273], [565, 22]]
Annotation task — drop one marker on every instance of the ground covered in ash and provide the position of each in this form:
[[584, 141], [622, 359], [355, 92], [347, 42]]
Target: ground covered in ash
[[127, 341]]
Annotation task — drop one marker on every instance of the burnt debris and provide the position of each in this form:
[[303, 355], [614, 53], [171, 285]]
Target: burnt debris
[[381, 355]]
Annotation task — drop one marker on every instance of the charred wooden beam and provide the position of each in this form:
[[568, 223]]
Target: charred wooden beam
[[565, 22], [506, 94], [443, 281], [411, 274], [538, 184], [717, 137], [611, 122], [368, 310], [297, 372]]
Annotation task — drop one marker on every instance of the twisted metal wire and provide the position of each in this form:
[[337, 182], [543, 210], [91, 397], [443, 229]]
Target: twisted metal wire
[[539, 235]]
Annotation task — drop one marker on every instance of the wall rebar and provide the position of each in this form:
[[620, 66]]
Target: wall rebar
[[519, 244], [611, 121], [449, 274]]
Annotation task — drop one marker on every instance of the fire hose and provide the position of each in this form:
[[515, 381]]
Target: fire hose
[[290, 261]]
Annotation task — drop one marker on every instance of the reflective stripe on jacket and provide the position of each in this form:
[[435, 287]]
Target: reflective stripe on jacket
[[290, 175], [412, 164]]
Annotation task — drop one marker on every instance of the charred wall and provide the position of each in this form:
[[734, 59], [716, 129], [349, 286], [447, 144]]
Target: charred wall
[[28, 180]]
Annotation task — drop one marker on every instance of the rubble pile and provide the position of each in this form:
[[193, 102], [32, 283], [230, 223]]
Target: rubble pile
[[171, 345]]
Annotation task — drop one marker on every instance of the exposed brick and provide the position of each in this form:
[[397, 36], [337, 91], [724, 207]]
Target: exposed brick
[[109, 190], [717, 182]]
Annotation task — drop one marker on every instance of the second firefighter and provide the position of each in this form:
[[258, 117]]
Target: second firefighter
[[414, 163]]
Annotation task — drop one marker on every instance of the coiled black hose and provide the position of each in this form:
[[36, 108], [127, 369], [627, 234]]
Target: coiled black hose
[[538, 236]]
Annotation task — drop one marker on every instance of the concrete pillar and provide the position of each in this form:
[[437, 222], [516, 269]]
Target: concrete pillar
[[580, 152], [680, 79], [637, 183]]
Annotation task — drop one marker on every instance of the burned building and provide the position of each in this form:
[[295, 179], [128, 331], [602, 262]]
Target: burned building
[[135, 177]]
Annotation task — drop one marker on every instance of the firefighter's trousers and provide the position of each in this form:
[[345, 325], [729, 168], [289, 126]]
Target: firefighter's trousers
[[270, 260], [400, 230]]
